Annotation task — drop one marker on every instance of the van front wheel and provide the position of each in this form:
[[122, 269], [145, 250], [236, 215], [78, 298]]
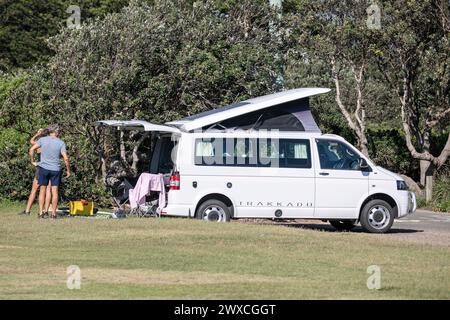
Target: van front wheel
[[377, 216], [213, 210]]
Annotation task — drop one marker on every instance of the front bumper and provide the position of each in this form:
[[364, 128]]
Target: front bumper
[[412, 203], [407, 204]]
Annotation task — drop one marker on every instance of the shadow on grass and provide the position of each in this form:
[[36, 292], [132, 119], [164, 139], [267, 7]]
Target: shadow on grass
[[329, 228]]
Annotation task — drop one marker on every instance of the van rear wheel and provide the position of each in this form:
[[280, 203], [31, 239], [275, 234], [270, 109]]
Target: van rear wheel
[[377, 216], [343, 225], [213, 210]]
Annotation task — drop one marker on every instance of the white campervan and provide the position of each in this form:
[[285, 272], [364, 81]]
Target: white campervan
[[266, 158]]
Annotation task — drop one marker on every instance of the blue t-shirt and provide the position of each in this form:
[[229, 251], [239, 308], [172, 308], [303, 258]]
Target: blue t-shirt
[[51, 150]]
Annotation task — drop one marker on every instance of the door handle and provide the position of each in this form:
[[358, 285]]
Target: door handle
[[324, 173]]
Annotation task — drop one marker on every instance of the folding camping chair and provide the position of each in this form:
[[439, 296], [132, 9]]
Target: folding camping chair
[[120, 195]]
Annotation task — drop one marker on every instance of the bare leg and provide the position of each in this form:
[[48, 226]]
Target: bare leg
[[41, 199], [32, 196], [54, 200], [48, 196]]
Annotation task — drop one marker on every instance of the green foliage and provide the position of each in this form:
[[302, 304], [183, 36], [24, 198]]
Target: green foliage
[[388, 149], [414, 60], [441, 193], [23, 106], [26, 24], [421, 202], [156, 63], [8, 83], [19, 105], [162, 60], [16, 171]]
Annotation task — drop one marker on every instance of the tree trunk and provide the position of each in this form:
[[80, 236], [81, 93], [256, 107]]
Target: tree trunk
[[424, 165], [356, 120], [103, 167], [135, 154], [412, 185], [362, 140], [429, 184], [123, 153]]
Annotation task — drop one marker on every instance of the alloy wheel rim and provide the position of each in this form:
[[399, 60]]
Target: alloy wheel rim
[[214, 214], [379, 217]]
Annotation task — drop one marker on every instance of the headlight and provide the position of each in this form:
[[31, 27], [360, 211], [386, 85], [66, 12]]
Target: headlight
[[401, 185]]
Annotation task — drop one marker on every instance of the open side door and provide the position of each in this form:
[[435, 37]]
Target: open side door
[[139, 125]]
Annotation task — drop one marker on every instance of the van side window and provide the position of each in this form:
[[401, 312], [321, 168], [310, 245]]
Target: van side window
[[229, 152], [295, 153], [209, 151], [245, 152], [337, 155], [269, 153]]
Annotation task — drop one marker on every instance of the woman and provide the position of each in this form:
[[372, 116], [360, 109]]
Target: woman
[[41, 133]]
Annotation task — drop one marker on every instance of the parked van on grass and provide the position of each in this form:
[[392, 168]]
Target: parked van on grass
[[266, 158]]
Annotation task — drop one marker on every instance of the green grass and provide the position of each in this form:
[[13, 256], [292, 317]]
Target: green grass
[[187, 259]]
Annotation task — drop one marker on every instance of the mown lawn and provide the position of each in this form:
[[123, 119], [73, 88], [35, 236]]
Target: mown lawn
[[186, 259]]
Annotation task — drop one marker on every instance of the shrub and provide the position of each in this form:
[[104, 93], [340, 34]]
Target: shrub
[[16, 171], [441, 193], [155, 63]]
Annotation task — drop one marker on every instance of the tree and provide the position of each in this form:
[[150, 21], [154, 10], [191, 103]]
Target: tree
[[154, 62], [335, 33], [21, 96], [25, 26], [414, 58]]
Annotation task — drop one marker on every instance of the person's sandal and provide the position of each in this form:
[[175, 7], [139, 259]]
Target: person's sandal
[[24, 213], [43, 215]]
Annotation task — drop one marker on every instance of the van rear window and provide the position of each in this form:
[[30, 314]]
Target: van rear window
[[245, 152]]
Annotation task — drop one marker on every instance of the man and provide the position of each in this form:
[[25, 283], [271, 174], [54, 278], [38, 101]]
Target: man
[[52, 148]]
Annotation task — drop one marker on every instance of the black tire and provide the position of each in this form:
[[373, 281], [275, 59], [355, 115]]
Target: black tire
[[377, 216], [343, 225], [213, 210]]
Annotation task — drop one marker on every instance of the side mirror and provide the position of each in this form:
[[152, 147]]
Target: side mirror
[[363, 163]]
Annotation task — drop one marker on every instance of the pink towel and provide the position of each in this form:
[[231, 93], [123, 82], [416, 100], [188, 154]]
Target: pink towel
[[148, 182]]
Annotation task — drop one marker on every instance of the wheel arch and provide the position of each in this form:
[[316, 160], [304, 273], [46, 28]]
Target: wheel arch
[[380, 196], [215, 196]]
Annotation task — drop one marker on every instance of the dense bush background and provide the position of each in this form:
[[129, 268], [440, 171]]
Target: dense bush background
[[162, 60]]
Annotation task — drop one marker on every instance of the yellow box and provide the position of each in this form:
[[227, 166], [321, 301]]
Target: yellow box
[[82, 207]]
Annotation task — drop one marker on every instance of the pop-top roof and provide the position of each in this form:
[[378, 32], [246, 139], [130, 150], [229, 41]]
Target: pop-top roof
[[286, 110], [235, 110]]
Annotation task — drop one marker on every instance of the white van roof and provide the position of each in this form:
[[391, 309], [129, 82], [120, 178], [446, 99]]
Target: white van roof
[[300, 111], [247, 106]]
